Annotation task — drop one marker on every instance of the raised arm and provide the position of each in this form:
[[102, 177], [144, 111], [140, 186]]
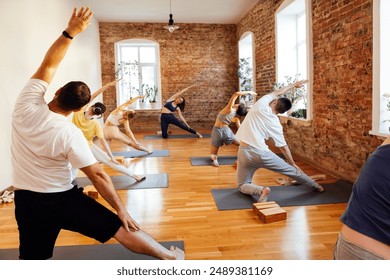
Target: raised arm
[[78, 22], [232, 100], [102, 89], [176, 95], [283, 90], [127, 103]]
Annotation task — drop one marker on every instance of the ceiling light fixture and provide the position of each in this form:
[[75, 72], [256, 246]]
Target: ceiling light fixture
[[171, 25]]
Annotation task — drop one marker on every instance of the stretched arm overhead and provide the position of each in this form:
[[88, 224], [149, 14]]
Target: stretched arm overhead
[[127, 103], [283, 90], [176, 95], [78, 22], [102, 89], [234, 97]]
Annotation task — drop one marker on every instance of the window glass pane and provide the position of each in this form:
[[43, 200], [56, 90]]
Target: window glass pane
[[147, 55], [384, 66], [148, 77], [137, 64], [302, 58], [301, 28], [129, 54]]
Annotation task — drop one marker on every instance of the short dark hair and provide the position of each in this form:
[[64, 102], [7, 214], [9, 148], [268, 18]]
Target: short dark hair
[[283, 105], [242, 110], [98, 108], [182, 105], [73, 96]]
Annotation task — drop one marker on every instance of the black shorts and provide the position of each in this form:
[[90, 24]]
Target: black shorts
[[41, 216]]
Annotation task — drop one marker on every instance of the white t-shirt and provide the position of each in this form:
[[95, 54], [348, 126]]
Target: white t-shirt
[[260, 124], [45, 145]]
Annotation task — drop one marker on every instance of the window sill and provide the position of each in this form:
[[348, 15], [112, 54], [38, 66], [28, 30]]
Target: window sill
[[289, 121], [380, 135]]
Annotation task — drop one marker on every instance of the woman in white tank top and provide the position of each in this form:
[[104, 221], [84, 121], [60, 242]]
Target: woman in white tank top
[[121, 116]]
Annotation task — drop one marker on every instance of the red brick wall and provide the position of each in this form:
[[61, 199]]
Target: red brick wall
[[196, 53], [338, 139]]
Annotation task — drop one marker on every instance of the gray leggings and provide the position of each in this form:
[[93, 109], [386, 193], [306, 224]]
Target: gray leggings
[[251, 159], [344, 250]]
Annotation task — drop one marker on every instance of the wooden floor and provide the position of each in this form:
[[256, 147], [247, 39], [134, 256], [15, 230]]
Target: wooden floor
[[186, 211]]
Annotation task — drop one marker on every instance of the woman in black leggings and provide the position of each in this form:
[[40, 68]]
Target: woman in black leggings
[[175, 103]]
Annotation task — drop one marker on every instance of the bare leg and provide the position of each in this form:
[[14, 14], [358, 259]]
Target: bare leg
[[214, 155], [141, 242]]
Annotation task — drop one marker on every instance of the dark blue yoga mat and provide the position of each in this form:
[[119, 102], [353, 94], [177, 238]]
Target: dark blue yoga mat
[[176, 136], [233, 199], [92, 252]]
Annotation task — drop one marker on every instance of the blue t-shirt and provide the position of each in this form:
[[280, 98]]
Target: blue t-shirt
[[368, 209]]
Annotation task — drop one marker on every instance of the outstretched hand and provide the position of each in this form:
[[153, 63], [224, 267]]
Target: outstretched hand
[[299, 84], [79, 21]]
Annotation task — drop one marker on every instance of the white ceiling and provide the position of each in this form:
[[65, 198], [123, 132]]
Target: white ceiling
[[184, 11]]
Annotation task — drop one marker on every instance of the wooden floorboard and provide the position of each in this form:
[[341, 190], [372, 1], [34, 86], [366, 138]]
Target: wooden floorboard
[[186, 210]]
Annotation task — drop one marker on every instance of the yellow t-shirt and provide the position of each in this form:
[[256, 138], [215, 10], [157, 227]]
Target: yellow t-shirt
[[90, 128]]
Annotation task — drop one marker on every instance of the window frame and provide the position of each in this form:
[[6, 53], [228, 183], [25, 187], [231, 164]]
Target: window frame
[[378, 99], [147, 106], [287, 4]]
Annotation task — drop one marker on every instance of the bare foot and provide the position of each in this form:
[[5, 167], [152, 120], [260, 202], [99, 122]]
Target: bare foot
[[199, 135], [178, 253], [319, 188], [264, 194], [214, 160], [139, 178]]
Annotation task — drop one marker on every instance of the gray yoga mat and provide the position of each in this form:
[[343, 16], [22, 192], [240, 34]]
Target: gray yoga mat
[[123, 182], [133, 154], [92, 252], [176, 136], [233, 199], [222, 160]]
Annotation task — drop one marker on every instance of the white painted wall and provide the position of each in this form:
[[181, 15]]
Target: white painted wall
[[27, 30]]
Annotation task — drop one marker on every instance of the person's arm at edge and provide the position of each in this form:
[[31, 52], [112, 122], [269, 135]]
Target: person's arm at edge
[[103, 184], [78, 22]]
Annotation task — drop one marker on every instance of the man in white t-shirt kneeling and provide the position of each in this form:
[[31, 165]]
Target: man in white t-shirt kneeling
[[260, 124]]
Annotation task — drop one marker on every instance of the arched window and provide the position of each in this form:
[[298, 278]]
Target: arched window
[[138, 66], [294, 51], [381, 69]]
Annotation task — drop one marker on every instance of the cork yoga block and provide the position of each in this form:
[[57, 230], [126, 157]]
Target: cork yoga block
[[269, 212], [120, 159]]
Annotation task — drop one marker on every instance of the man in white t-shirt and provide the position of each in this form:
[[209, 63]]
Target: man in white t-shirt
[[45, 145], [260, 124]]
